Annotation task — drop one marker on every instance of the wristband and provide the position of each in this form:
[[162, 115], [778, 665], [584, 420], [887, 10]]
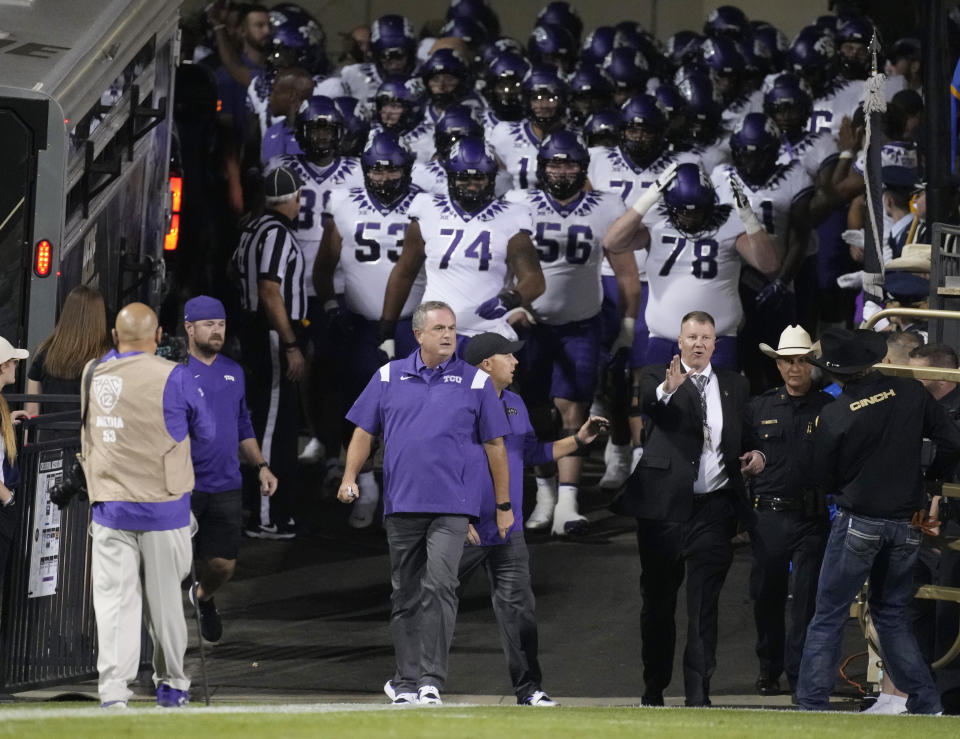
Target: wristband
[[845, 154], [261, 466], [648, 198], [581, 444], [289, 345], [750, 222]]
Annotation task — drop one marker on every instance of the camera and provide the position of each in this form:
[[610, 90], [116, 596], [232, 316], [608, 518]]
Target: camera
[[72, 484]]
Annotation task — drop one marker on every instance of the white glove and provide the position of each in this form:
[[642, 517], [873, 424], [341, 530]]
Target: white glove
[[649, 197], [853, 237], [742, 205], [389, 348], [625, 337], [851, 280]]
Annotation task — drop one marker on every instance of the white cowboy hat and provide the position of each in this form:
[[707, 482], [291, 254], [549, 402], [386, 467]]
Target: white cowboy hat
[[794, 342], [913, 258]]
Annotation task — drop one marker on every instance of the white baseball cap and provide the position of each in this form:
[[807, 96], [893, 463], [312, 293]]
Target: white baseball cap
[[7, 351]]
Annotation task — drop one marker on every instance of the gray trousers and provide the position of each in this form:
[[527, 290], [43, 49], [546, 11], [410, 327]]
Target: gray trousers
[[126, 565], [425, 552], [508, 569]]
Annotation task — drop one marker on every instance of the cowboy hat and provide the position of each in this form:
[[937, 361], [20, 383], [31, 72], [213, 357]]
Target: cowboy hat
[[913, 258], [846, 352], [794, 342]]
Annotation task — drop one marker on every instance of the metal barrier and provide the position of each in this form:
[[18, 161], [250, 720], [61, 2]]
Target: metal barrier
[[47, 626]]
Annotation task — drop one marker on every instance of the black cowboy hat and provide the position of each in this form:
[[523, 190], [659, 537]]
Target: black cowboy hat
[[844, 352]]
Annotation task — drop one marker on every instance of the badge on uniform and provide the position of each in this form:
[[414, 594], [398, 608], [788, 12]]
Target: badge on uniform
[[768, 421]]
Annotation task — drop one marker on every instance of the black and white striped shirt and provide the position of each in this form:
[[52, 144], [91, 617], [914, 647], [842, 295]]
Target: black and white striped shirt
[[269, 250]]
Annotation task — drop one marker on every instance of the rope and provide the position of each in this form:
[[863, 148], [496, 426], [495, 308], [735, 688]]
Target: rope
[[843, 674]]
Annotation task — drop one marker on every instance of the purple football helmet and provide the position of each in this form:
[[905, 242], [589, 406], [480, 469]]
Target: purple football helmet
[[769, 42], [446, 61], [642, 128], [471, 162], [563, 146], [690, 200], [564, 15], [393, 45], [598, 43], [297, 41], [729, 21], [318, 128], [683, 47], [543, 85], [477, 11], [473, 33], [552, 45], [457, 122], [703, 105], [590, 90], [787, 99], [754, 148], [409, 94], [383, 151], [602, 128], [628, 69], [812, 55], [504, 88], [356, 128], [853, 40]]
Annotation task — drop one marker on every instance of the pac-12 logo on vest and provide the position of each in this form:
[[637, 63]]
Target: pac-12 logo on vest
[[106, 389]]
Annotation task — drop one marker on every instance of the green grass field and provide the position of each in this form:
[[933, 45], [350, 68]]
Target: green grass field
[[230, 722]]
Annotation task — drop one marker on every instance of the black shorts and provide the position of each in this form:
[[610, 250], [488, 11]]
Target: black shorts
[[220, 518]]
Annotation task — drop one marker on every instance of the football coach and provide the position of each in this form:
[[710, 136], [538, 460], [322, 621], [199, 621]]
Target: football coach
[[443, 426]]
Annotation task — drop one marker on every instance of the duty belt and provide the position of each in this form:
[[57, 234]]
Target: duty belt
[[774, 503]]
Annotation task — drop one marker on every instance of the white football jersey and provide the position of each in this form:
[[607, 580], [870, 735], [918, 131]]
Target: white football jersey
[[814, 151], [772, 201], [372, 240], [419, 140], [840, 100], [489, 121], [611, 171], [516, 146], [258, 96], [361, 81], [699, 273], [713, 154], [318, 183], [332, 87], [738, 109], [466, 255], [569, 242]]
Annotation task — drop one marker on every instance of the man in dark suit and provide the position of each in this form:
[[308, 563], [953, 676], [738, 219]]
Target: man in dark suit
[[687, 494]]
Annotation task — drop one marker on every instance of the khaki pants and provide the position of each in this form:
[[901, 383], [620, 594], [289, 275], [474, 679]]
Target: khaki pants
[[126, 564]]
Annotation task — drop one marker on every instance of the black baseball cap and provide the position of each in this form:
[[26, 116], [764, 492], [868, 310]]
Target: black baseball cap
[[486, 345], [281, 182]]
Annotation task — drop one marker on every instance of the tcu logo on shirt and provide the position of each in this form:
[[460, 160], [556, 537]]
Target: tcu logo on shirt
[[453, 378]]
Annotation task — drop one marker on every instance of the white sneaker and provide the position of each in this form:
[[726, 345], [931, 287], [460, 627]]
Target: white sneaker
[[313, 452], [566, 516], [428, 695], [888, 705], [542, 514], [364, 507], [618, 468], [538, 698], [389, 690], [405, 699]]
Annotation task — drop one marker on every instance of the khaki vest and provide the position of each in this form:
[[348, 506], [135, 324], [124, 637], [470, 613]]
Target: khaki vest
[[128, 455]]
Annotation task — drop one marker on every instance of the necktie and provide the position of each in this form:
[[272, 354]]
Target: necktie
[[701, 381]]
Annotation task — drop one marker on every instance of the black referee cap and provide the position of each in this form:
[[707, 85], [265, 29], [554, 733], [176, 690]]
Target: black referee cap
[[281, 182], [486, 345]]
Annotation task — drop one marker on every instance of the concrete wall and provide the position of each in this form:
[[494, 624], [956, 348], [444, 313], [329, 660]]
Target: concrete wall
[[663, 17]]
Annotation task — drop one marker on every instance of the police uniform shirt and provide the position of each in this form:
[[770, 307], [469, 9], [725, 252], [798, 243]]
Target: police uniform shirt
[[867, 447], [434, 422], [523, 447], [216, 463], [269, 250], [782, 427]]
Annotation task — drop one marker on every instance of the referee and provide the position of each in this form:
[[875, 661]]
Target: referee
[[270, 267]]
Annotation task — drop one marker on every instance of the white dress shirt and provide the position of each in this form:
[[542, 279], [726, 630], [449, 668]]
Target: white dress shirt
[[712, 475]]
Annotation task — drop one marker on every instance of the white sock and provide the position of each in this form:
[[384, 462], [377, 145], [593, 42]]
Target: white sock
[[620, 453], [897, 700], [546, 484], [567, 497]]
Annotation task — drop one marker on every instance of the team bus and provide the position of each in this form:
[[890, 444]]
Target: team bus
[[86, 197]]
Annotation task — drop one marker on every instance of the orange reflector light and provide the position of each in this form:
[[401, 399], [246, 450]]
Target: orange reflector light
[[43, 258], [176, 189], [219, 106], [170, 240]]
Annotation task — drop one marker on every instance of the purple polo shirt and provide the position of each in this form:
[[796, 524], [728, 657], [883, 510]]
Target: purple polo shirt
[[233, 96], [184, 411], [216, 464], [523, 447], [278, 140], [434, 423]]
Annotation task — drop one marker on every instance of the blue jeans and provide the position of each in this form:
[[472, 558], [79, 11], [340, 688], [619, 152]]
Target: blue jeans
[[884, 551]]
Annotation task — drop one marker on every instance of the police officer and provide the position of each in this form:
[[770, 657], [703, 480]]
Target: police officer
[[867, 449], [791, 516]]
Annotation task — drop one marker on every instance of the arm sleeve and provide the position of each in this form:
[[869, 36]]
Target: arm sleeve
[[365, 411], [535, 451], [825, 454], [185, 409]]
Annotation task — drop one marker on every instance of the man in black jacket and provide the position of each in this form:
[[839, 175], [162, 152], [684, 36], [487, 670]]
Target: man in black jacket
[[868, 450], [687, 494]]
